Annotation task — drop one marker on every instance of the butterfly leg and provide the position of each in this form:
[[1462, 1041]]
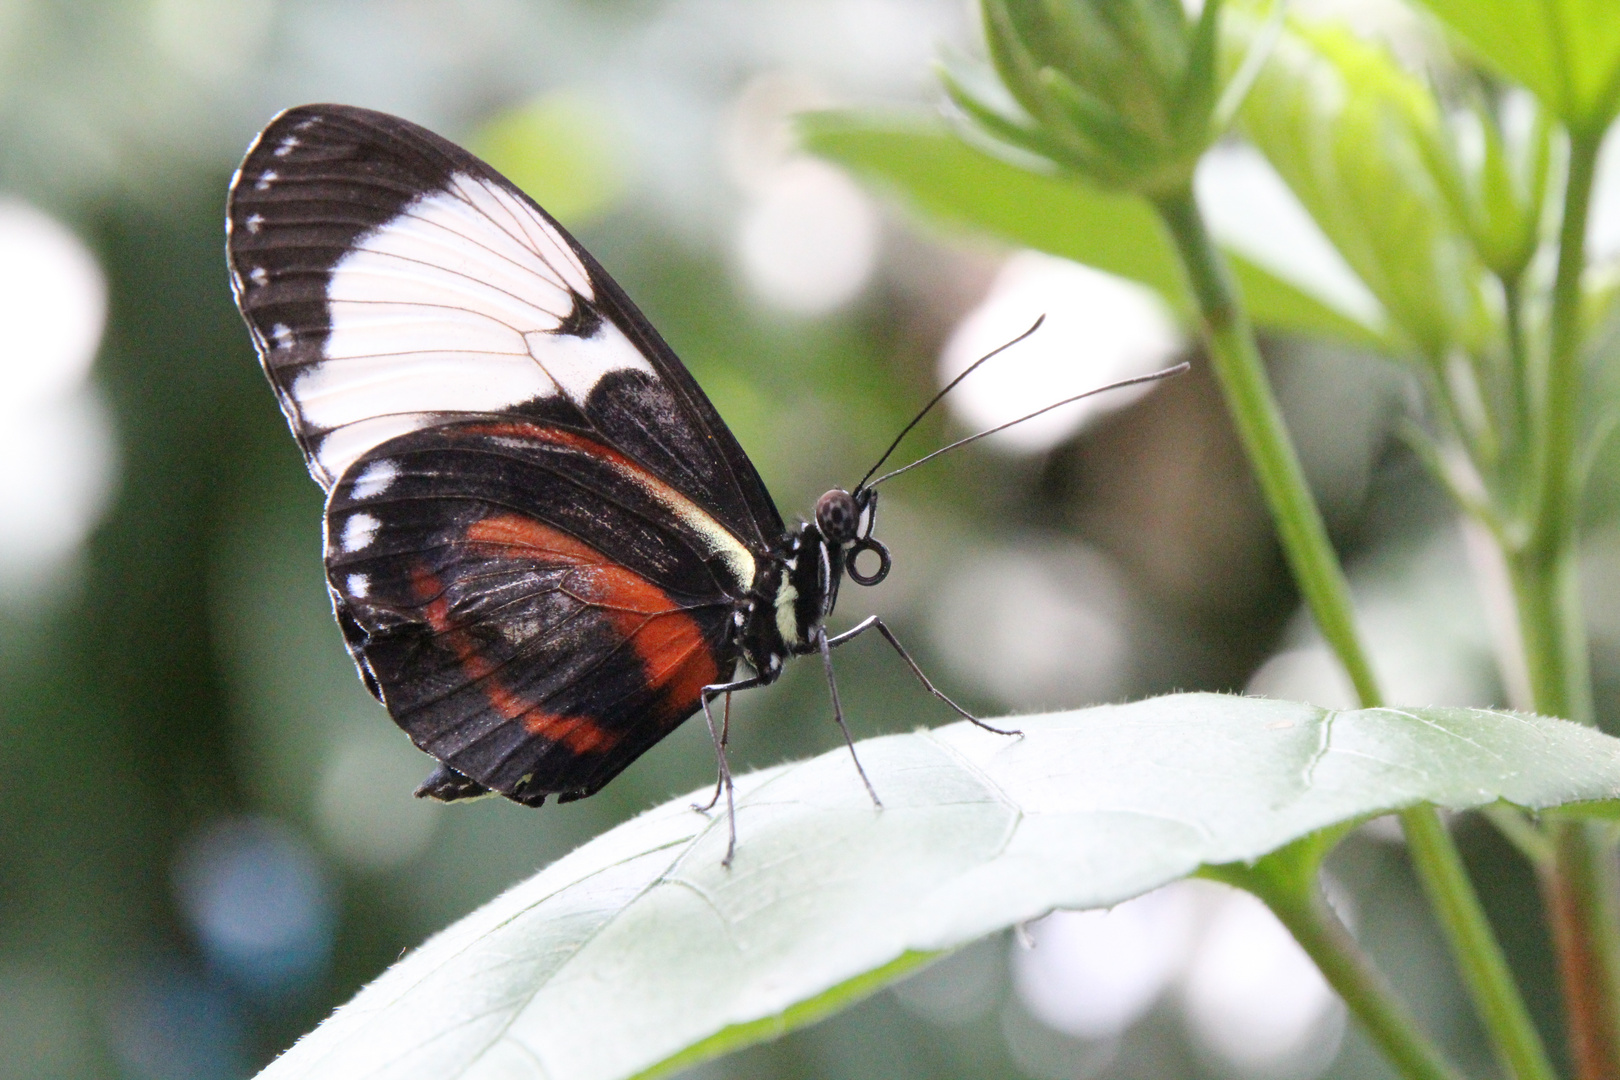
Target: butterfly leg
[[720, 748], [888, 635], [838, 712], [708, 694]]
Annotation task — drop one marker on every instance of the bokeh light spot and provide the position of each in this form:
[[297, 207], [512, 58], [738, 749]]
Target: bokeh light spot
[[1099, 328], [1253, 998], [808, 244], [53, 304], [1092, 974], [55, 435], [259, 901], [364, 806]]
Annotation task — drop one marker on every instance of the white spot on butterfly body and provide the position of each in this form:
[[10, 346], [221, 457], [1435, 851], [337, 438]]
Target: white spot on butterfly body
[[358, 585], [255, 222], [258, 276], [286, 146], [358, 531], [787, 623], [266, 178], [374, 479]]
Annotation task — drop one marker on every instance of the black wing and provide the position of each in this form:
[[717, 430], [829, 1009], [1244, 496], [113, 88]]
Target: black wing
[[393, 282]]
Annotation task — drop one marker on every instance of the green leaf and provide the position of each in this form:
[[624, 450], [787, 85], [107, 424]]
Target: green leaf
[[1566, 52], [1354, 136], [640, 951], [948, 181]]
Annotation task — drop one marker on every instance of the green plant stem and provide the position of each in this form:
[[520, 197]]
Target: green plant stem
[[1545, 571], [1288, 882], [1579, 889], [1519, 389], [1315, 565], [1479, 956], [1236, 360]]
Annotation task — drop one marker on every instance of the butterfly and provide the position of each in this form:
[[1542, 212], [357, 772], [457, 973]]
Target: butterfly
[[544, 548]]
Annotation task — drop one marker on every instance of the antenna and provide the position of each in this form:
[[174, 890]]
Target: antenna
[[1152, 377], [915, 420]]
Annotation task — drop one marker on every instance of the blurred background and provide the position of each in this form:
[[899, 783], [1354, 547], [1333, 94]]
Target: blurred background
[[207, 838]]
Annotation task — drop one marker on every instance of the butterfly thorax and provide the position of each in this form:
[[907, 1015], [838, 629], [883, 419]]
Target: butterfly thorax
[[796, 587], [793, 593]]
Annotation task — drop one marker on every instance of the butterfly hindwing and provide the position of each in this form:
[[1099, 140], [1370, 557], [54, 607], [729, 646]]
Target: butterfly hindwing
[[540, 623], [394, 282]]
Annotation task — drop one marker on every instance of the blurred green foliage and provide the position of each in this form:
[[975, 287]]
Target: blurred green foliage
[[188, 670]]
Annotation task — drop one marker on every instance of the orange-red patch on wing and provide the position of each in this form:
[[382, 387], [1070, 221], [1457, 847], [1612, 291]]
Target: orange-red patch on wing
[[579, 733], [557, 437], [504, 531], [669, 642]]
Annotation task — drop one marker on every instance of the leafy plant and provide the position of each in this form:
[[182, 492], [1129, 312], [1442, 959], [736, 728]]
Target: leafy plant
[[640, 952]]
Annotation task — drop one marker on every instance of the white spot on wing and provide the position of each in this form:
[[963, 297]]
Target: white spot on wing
[[358, 531], [258, 276], [358, 585], [515, 216], [340, 448], [286, 146], [255, 222], [577, 364], [374, 479], [429, 314], [266, 178], [282, 335]]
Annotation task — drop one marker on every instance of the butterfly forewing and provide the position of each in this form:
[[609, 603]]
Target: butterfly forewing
[[539, 530], [392, 282]]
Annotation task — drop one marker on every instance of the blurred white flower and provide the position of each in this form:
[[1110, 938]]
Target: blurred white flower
[[1092, 974], [1099, 328], [807, 235], [808, 241], [55, 436], [1254, 999], [364, 807], [1603, 226], [1426, 634], [1252, 210], [1251, 997], [53, 303], [259, 901], [1036, 628]]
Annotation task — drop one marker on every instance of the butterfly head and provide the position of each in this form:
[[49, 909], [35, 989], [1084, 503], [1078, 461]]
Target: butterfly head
[[845, 521]]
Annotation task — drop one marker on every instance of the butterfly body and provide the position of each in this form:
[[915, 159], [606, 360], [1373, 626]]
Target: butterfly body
[[544, 548]]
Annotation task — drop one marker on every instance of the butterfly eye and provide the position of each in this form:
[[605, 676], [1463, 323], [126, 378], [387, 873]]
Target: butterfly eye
[[837, 516]]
